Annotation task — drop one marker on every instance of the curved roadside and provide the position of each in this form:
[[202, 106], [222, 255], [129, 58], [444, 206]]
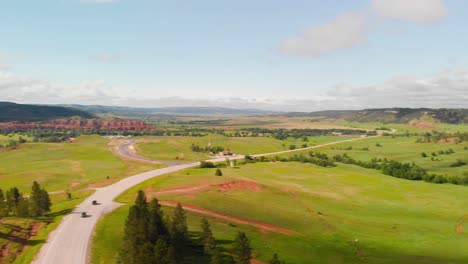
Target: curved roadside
[[126, 150], [70, 242]]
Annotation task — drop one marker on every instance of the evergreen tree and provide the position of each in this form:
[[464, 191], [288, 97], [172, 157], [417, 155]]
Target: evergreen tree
[[3, 205], [216, 257], [39, 201], [276, 260], [170, 257], [13, 197], [136, 232], [207, 239], [242, 248], [22, 209], [218, 172], [160, 251], [179, 230], [156, 227]]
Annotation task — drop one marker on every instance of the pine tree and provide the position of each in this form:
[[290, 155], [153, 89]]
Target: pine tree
[[44, 201], [242, 248], [13, 197], [179, 230], [136, 232], [3, 205], [276, 260], [170, 257], [207, 239], [156, 228], [216, 257], [22, 209], [39, 202], [218, 172], [160, 251]]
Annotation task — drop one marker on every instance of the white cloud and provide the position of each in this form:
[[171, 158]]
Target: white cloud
[[344, 32], [410, 10], [448, 89]]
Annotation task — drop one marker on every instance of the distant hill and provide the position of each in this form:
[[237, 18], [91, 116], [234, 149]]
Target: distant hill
[[167, 112], [24, 112], [393, 115]]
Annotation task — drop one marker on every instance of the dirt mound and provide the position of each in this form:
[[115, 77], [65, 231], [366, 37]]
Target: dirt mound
[[239, 185], [449, 140], [421, 124], [261, 226]]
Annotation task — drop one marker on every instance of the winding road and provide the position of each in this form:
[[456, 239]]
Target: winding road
[[70, 242]]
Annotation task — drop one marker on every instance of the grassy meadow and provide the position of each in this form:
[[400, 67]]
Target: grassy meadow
[[168, 148], [345, 214], [404, 149], [59, 166]]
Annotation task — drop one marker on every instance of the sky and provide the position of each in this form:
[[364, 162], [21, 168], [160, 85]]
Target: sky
[[294, 55]]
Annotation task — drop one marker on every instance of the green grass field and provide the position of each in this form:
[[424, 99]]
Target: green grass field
[[404, 149], [168, 148], [4, 138], [60, 166], [341, 215]]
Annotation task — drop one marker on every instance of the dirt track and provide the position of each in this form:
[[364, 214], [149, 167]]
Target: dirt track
[[233, 218]]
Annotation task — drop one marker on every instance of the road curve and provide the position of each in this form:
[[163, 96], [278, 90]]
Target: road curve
[[70, 242], [124, 151]]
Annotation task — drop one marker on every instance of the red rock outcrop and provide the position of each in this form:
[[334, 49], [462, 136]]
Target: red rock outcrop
[[82, 124]]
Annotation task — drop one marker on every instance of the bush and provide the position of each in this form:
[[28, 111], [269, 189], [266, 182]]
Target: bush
[[218, 172]]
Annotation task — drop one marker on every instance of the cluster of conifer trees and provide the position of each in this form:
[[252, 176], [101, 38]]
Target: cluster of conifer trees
[[13, 203], [150, 237]]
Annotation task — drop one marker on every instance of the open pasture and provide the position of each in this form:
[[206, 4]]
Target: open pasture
[[344, 214]]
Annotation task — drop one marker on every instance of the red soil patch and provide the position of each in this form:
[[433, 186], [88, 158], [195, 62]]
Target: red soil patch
[[449, 140], [460, 224], [421, 124], [239, 185], [240, 220]]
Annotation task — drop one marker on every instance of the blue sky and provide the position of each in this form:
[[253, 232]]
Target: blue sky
[[287, 55]]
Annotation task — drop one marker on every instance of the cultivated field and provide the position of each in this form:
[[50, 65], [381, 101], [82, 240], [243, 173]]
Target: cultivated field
[[310, 214]]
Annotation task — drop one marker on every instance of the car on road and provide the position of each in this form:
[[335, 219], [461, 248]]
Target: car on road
[[83, 215], [95, 202]]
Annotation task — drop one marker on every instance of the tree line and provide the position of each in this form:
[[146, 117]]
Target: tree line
[[409, 171], [152, 237], [14, 203]]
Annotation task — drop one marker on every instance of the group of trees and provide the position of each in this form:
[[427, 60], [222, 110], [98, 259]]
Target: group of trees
[[319, 159], [440, 152], [13, 203], [198, 148], [150, 237], [435, 136], [409, 171]]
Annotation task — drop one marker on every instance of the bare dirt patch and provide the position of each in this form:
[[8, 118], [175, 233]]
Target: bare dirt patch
[[449, 140], [239, 185], [421, 124], [460, 224], [260, 225]]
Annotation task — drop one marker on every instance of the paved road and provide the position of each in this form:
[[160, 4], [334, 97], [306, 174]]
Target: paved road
[[70, 242], [124, 150]]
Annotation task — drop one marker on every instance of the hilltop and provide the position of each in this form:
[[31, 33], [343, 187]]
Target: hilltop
[[393, 115], [25, 112]]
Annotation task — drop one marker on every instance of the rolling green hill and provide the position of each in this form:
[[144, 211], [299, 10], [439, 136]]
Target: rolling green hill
[[393, 115], [24, 112]]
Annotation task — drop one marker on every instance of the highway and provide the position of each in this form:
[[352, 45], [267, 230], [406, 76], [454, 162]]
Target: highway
[[70, 242]]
